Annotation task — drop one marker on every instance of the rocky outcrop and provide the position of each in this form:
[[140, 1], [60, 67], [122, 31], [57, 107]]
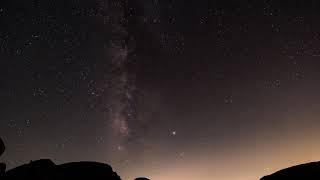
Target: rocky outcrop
[[46, 170], [2, 147], [2, 165], [309, 171]]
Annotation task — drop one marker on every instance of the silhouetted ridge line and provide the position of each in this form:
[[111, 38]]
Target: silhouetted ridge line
[[308, 171], [45, 169], [141, 178]]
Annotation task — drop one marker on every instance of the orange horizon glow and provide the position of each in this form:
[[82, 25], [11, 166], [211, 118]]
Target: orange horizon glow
[[237, 164]]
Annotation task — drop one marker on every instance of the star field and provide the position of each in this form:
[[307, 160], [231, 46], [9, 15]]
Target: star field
[[166, 89]]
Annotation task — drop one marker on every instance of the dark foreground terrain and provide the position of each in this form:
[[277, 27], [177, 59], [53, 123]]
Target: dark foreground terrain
[[45, 169], [309, 171]]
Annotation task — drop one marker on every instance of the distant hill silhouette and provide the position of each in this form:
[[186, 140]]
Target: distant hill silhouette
[[309, 171], [45, 169]]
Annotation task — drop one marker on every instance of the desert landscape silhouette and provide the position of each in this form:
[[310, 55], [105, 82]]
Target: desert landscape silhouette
[[308, 171], [45, 169]]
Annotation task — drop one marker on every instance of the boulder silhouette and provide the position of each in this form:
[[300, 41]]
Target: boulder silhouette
[[308, 171], [45, 169], [2, 147], [40, 169], [86, 170], [2, 165]]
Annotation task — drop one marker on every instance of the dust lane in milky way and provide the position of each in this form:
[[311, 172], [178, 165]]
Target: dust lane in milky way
[[167, 89]]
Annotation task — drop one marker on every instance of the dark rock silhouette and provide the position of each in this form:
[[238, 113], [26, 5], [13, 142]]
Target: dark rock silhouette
[[86, 170], [309, 171], [46, 170], [2, 165], [39, 169], [2, 147]]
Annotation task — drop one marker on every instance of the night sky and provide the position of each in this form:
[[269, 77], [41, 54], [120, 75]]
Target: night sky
[[167, 89]]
